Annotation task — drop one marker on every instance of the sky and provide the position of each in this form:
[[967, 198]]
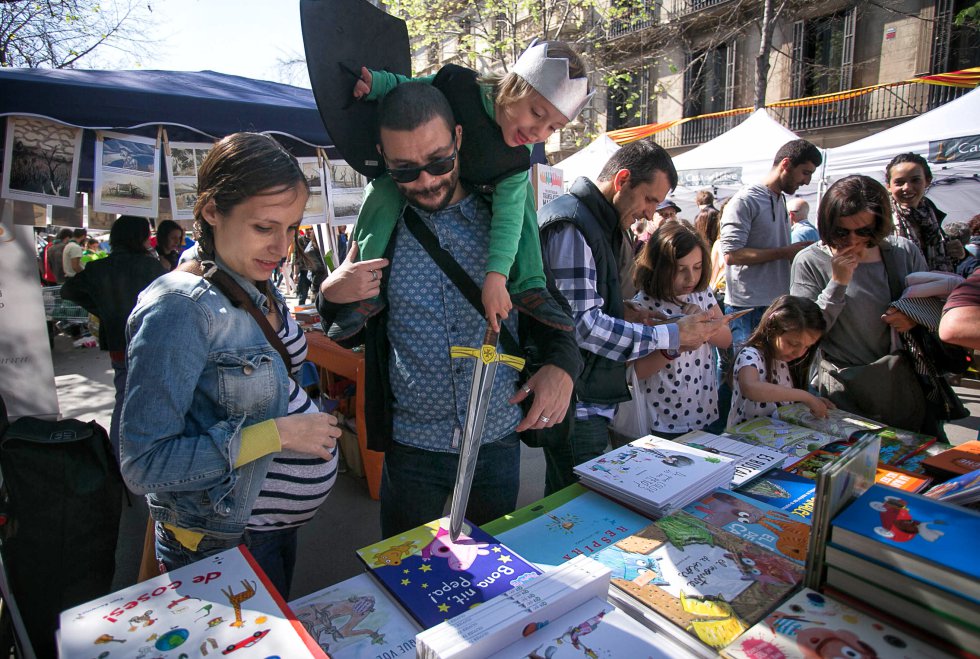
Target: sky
[[238, 37]]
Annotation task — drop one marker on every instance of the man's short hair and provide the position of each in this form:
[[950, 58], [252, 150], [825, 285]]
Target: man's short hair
[[643, 159], [798, 152], [79, 233], [704, 198], [797, 205], [413, 104], [64, 234]]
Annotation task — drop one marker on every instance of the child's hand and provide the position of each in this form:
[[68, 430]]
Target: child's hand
[[363, 85], [818, 405], [496, 299]]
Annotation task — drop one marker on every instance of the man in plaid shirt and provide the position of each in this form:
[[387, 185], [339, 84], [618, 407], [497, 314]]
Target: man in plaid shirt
[[585, 244]]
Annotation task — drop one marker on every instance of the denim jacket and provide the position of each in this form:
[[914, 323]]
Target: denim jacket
[[200, 370]]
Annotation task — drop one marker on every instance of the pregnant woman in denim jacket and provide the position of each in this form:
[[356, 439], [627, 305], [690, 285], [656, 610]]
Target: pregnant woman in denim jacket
[[226, 446]]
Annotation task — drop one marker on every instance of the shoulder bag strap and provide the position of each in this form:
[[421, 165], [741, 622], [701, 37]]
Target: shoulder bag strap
[[224, 283], [454, 271]]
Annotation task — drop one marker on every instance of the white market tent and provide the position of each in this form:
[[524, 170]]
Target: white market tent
[[956, 183], [737, 157], [589, 161]]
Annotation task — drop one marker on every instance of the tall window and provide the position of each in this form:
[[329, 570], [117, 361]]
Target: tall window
[[709, 86], [627, 100], [823, 54], [954, 48]]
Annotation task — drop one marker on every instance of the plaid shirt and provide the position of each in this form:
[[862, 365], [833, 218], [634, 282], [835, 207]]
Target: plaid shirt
[[573, 266]]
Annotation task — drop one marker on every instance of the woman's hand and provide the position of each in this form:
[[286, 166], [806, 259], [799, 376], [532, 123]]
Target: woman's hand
[[363, 85], [897, 320], [845, 262], [313, 434], [353, 281]]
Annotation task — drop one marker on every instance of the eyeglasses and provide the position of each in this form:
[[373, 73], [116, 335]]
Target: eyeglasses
[[439, 167], [840, 233]]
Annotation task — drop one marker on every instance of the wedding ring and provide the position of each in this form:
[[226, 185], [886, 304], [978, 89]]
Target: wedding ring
[[374, 275], [544, 419], [526, 389]]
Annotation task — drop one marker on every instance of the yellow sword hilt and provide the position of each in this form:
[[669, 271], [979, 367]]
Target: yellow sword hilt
[[487, 353]]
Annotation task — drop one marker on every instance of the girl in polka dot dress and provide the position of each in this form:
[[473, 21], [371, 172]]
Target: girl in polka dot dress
[[787, 335], [679, 390]]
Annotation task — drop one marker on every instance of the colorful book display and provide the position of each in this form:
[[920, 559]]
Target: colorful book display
[[223, 604], [955, 461], [795, 441], [435, 579], [656, 475], [810, 625], [560, 614], [710, 583], [901, 479], [788, 492], [571, 522], [356, 619], [755, 521], [961, 490], [750, 460]]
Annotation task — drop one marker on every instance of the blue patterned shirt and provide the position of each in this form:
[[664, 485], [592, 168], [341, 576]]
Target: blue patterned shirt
[[573, 266], [426, 316]]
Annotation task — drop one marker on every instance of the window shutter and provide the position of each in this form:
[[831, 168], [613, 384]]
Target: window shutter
[[799, 37]]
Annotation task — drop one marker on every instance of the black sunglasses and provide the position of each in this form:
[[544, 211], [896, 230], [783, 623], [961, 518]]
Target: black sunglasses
[[840, 233], [439, 167]]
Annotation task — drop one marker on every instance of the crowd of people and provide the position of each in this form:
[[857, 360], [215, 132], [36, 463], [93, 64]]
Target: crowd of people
[[717, 320]]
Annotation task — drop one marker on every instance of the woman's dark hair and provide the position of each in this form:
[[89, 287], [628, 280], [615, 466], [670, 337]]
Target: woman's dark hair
[[129, 234], [656, 264], [240, 166], [164, 229], [708, 224], [849, 196], [908, 157], [787, 313]]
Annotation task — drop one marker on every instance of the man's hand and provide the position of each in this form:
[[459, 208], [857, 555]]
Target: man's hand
[[695, 330], [633, 313], [552, 391], [353, 281]]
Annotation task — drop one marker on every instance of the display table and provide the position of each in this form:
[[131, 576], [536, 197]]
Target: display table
[[331, 357]]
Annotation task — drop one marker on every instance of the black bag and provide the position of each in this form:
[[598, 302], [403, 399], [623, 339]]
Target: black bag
[[887, 390], [64, 497]]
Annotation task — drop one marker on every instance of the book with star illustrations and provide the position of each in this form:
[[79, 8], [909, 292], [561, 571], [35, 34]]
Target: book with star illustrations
[[436, 579]]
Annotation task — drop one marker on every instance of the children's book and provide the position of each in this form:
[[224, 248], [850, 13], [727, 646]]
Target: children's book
[[435, 578], [750, 459], [962, 489], [711, 583], [781, 489], [356, 619], [795, 441], [656, 475], [955, 461], [810, 465], [924, 538], [810, 625], [218, 605], [755, 521], [571, 522], [901, 479]]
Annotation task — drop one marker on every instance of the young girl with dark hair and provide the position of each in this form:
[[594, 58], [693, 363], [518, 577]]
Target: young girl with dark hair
[[789, 331], [679, 392]]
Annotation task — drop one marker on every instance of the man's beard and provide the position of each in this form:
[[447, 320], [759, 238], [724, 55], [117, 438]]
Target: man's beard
[[433, 198]]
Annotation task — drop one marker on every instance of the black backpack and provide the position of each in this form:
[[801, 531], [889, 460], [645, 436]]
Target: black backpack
[[62, 494]]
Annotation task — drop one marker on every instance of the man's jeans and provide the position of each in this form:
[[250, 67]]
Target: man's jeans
[[590, 439], [416, 483]]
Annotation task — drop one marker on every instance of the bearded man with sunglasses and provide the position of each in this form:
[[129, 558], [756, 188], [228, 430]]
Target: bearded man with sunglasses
[[416, 394]]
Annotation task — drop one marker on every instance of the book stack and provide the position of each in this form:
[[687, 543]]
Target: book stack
[[572, 522], [656, 475], [356, 618], [955, 461], [912, 557], [751, 460], [435, 579], [960, 490], [788, 492], [562, 613], [698, 584], [218, 605], [811, 624]]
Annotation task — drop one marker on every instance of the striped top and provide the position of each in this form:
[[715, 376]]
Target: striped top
[[296, 483]]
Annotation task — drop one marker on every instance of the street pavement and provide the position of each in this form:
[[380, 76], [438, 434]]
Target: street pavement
[[348, 520]]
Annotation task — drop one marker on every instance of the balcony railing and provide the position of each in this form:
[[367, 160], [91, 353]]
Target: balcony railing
[[897, 102], [697, 131], [685, 7], [633, 19]]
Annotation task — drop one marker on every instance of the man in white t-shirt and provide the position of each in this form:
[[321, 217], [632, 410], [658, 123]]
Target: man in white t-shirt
[[71, 258]]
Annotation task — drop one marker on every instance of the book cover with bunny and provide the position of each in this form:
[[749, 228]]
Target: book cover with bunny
[[436, 579]]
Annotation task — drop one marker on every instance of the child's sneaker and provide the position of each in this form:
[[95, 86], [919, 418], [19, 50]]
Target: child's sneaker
[[540, 305], [352, 318]]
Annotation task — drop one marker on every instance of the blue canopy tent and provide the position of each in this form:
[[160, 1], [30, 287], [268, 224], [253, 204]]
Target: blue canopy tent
[[192, 106]]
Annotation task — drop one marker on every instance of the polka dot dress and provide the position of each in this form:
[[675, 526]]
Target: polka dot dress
[[683, 395], [744, 409]]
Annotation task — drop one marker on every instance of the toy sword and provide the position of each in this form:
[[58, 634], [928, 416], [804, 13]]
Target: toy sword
[[487, 359]]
